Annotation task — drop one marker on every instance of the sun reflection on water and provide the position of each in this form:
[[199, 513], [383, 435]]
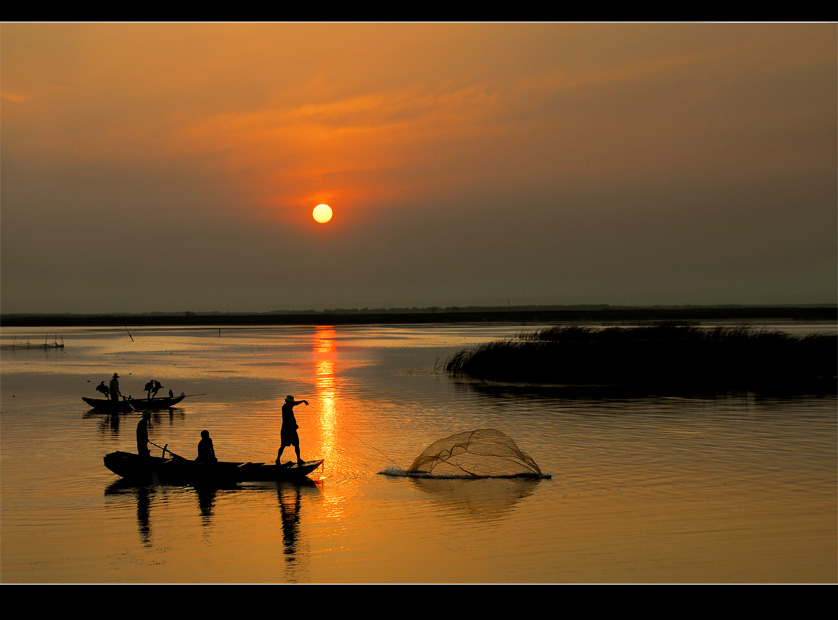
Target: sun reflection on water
[[325, 353]]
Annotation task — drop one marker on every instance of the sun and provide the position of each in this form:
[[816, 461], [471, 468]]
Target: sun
[[322, 213]]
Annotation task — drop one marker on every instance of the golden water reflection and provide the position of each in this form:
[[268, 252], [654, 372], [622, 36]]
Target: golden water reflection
[[671, 490], [325, 354]]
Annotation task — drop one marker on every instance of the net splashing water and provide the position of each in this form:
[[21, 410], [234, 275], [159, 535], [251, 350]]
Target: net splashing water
[[481, 453]]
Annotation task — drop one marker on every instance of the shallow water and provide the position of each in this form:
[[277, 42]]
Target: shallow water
[[729, 489]]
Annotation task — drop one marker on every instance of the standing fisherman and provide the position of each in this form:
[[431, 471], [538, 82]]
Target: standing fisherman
[[142, 437], [288, 433], [114, 387]]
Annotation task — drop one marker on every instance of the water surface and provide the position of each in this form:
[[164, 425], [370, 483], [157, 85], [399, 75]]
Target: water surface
[[727, 489]]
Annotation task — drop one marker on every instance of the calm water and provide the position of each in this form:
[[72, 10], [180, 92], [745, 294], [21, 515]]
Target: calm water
[[735, 489]]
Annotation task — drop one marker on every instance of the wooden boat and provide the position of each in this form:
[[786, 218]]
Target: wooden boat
[[109, 406], [133, 404], [178, 470]]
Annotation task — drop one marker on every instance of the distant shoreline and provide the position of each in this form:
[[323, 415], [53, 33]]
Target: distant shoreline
[[522, 314]]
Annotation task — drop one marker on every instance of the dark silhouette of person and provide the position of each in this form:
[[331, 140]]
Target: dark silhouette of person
[[148, 387], [142, 437], [206, 451], [103, 389], [157, 386], [288, 433], [114, 387]]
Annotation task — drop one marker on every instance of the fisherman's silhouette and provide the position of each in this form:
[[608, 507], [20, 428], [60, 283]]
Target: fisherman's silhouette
[[288, 433], [206, 451], [148, 387], [142, 437], [114, 387]]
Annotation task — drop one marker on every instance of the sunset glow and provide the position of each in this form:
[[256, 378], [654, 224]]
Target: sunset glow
[[470, 163]]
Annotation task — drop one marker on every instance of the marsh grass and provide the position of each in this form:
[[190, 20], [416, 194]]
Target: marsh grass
[[663, 357]]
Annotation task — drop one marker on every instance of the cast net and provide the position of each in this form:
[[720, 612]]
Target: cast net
[[482, 453]]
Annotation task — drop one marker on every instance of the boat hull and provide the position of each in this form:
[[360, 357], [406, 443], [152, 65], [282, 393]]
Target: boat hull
[[132, 404], [178, 470]]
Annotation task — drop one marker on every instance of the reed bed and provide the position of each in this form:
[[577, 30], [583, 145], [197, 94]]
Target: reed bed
[[663, 357]]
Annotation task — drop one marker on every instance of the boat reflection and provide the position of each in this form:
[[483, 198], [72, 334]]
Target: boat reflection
[[291, 500], [115, 423]]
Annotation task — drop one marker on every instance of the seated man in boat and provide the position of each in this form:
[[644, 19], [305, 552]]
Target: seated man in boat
[[288, 433], [206, 451]]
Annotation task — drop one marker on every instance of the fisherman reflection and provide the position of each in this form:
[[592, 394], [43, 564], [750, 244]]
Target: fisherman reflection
[[289, 504], [206, 502], [206, 451], [144, 516], [288, 433]]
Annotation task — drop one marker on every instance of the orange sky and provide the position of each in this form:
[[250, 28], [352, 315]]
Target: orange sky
[[174, 166]]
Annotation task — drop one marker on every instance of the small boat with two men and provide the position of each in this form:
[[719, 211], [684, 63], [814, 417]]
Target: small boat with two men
[[174, 469]]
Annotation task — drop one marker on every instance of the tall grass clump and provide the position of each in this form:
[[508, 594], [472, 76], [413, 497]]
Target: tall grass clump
[[658, 356]]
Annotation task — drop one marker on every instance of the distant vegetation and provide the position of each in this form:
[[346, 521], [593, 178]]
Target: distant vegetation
[[593, 313], [660, 358]]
